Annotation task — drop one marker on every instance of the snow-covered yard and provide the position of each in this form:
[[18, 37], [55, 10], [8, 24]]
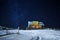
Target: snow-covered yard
[[43, 34]]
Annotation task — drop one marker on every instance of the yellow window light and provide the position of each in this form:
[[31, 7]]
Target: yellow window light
[[35, 23]]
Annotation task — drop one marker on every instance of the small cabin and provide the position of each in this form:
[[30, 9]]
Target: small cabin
[[35, 25]]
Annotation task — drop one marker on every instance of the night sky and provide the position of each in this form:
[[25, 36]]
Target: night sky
[[14, 13]]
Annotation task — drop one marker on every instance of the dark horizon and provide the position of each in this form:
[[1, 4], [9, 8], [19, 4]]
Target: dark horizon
[[14, 13]]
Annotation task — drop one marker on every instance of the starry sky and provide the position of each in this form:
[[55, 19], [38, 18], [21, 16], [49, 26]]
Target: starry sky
[[14, 13]]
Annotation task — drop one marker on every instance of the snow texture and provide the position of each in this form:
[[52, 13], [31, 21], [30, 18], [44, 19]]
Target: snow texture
[[43, 34]]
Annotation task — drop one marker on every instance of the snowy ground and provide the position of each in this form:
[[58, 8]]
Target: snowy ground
[[2, 32], [43, 34]]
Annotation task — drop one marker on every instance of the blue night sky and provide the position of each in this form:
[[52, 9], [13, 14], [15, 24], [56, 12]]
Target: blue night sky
[[15, 13]]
